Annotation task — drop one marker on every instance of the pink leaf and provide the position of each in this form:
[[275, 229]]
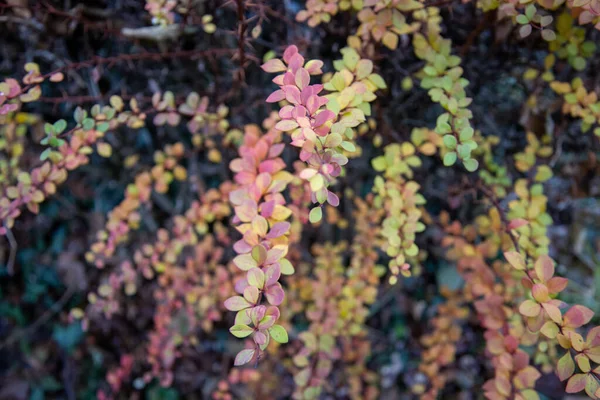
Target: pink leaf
[[333, 199], [275, 294], [289, 52], [260, 338], [272, 274], [323, 117], [276, 96], [292, 94], [278, 229], [244, 357], [274, 65]]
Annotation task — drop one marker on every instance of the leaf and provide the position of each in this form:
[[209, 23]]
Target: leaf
[[515, 259], [390, 40], [279, 334], [517, 223], [530, 308], [578, 316], [104, 149], [236, 303], [241, 330], [244, 357], [245, 262], [274, 65], [576, 383], [565, 367], [544, 268], [378, 81], [317, 182], [522, 19], [256, 278], [549, 329], [548, 35], [450, 159], [525, 31], [379, 164], [553, 312], [543, 173], [315, 215], [471, 164], [286, 125], [530, 11], [449, 141], [278, 229]]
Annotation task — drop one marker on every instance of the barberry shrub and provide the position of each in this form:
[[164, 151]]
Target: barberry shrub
[[304, 199]]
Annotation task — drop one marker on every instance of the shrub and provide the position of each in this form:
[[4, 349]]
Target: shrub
[[372, 196]]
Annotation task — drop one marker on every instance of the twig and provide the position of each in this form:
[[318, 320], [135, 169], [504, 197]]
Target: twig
[[110, 61]]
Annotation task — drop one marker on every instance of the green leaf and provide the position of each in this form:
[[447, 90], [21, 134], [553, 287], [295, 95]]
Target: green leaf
[[79, 115], [279, 334], [379, 163], [464, 151], [103, 126], [49, 129], [348, 146], [522, 19], [60, 126], [378, 81], [315, 215], [450, 159], [466, 133], [471, 164], [88, 124], [543, 173], [45, 154], [450, 141], [530, 11], [241, 330], [578, 63]]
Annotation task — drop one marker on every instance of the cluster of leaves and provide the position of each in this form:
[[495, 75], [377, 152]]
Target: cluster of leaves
[[322, 126], [579, 103]]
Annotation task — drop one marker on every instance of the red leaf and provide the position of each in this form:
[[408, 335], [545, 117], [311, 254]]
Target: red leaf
[[578, 316], [517, 223]]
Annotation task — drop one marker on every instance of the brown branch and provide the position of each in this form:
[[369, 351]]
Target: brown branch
[[110, 61]]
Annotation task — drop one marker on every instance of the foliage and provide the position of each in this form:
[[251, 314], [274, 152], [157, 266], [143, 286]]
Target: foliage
[[215, 235]]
